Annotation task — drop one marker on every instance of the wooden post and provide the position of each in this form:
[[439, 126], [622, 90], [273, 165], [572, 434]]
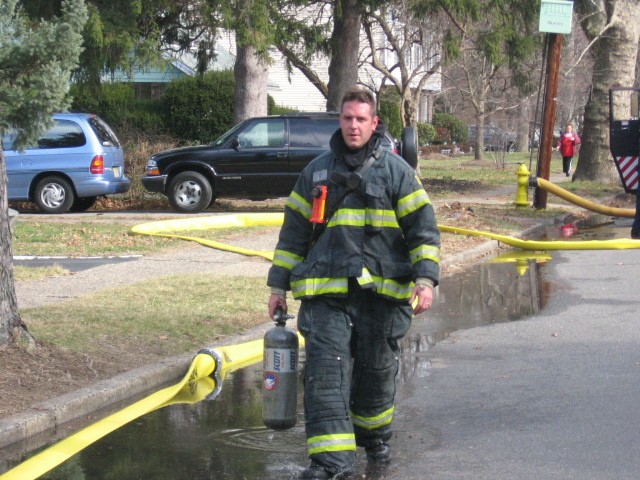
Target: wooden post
[[549, 118]]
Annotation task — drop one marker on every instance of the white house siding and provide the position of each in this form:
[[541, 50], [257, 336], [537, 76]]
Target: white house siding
[[295, 90]]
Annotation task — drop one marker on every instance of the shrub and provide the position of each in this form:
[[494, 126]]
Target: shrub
[[200, 109], [389, 111], [117, 105], [426, 133], [458, 130]]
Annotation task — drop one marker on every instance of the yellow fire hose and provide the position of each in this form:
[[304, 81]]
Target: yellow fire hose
[[582, 202], [203, 380], [167, 227]]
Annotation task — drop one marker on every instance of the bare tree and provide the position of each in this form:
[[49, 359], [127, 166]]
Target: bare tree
[[405, 50]]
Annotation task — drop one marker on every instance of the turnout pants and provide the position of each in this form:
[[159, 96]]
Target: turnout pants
[[350, 405]]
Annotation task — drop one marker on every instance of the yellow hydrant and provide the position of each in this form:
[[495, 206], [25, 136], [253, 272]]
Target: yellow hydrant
[[523, 186]]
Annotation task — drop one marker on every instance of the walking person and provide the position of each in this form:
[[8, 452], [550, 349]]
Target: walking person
[[567, 144], [635, 227], [357, 271]]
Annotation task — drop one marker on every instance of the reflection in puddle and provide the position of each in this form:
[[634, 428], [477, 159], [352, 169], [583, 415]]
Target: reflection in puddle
[[224, 438]]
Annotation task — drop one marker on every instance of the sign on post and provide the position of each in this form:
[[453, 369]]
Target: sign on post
[[555, 16]]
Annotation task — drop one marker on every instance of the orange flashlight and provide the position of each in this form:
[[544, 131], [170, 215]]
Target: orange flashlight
[[319, 202]]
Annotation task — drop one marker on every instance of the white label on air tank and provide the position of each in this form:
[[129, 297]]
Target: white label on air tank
[[281, 360]]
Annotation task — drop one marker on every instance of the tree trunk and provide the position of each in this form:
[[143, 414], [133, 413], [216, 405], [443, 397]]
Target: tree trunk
[[11, 325], [479, 153], [251, 75], [523, 137], [615, 53], [345, 45]]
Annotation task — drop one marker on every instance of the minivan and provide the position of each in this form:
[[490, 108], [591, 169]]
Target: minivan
[[69, 166]]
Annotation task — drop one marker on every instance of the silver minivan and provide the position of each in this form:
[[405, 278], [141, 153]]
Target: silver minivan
[[73, 163]]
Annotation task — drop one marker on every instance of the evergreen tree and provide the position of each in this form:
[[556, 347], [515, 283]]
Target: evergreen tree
[[36, 61]]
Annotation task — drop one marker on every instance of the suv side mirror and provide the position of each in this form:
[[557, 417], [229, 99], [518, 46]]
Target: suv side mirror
[[235, 143]]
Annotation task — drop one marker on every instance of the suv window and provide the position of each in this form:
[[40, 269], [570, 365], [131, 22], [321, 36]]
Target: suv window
[[103, 132], [64, 134], [263, 133], [309, 132]]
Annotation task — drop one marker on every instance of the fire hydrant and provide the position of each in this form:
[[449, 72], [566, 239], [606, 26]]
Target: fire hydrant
[[523, 186]]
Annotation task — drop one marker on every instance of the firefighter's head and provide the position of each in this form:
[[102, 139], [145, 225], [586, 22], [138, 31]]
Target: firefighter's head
[[358, 118]]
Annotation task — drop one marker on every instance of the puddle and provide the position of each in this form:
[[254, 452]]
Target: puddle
[[224, 437]]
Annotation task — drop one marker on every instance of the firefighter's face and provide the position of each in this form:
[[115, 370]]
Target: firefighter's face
[[357, 123]]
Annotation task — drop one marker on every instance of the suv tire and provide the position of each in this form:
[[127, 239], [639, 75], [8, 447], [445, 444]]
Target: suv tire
[[409, 146], [53, 195], [190, 192]]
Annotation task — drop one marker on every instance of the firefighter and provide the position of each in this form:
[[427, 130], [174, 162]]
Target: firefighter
[[360, 269]]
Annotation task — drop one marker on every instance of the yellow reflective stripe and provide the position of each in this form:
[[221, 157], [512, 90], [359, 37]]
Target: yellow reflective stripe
[[331, 443], [382, 218], [318, 286], [358, 217], [370, 423], [299, 204], [386, 286], [412, 202], [352, 217], [425, 252], [285, 259]]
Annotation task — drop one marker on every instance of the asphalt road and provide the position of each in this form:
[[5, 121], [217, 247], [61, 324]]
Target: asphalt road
[[555, 396]]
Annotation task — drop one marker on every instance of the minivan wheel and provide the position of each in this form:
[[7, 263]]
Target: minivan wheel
[[53, 195], [190, 192], [83, 203]]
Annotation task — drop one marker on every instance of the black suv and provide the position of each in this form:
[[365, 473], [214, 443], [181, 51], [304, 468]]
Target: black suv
[[259, 158]]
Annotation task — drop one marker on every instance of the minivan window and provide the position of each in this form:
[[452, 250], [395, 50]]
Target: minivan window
[[63, 134], [104, 133], [309, 132]]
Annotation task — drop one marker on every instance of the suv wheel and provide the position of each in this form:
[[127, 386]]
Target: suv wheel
[[83, 203], [54, 195], [190, 192]]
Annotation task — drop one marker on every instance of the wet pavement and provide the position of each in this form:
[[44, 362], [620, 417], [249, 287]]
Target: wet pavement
[[524, 369]]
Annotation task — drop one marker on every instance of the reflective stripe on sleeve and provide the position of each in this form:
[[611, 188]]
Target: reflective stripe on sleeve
[[424, 252], [299, 204], [412, 202], [331, 443], [371, 423], [285, 259]]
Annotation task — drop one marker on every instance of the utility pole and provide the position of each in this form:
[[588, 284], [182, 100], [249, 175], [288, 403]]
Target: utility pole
[[549, 116], [555, 19]]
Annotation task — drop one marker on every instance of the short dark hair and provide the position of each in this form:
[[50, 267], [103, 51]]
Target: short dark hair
[[359, 94]]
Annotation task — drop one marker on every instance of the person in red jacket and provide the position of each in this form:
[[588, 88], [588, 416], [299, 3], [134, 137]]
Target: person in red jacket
[[567, 147]]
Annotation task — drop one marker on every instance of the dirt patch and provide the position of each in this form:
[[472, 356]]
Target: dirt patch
[[44, 371]]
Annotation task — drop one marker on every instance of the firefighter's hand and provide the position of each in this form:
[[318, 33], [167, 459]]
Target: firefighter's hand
[[276, 300], [421, 298]]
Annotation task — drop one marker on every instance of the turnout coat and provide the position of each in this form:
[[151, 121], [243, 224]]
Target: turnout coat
[[383, 233]]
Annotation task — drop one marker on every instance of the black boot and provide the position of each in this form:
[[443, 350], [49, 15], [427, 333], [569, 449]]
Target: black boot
[[380, 453], [315, 471]]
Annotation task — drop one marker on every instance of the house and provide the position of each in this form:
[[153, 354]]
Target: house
[[288, 89]]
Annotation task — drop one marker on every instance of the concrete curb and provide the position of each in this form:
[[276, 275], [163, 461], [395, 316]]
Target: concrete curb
[[52, 413]]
